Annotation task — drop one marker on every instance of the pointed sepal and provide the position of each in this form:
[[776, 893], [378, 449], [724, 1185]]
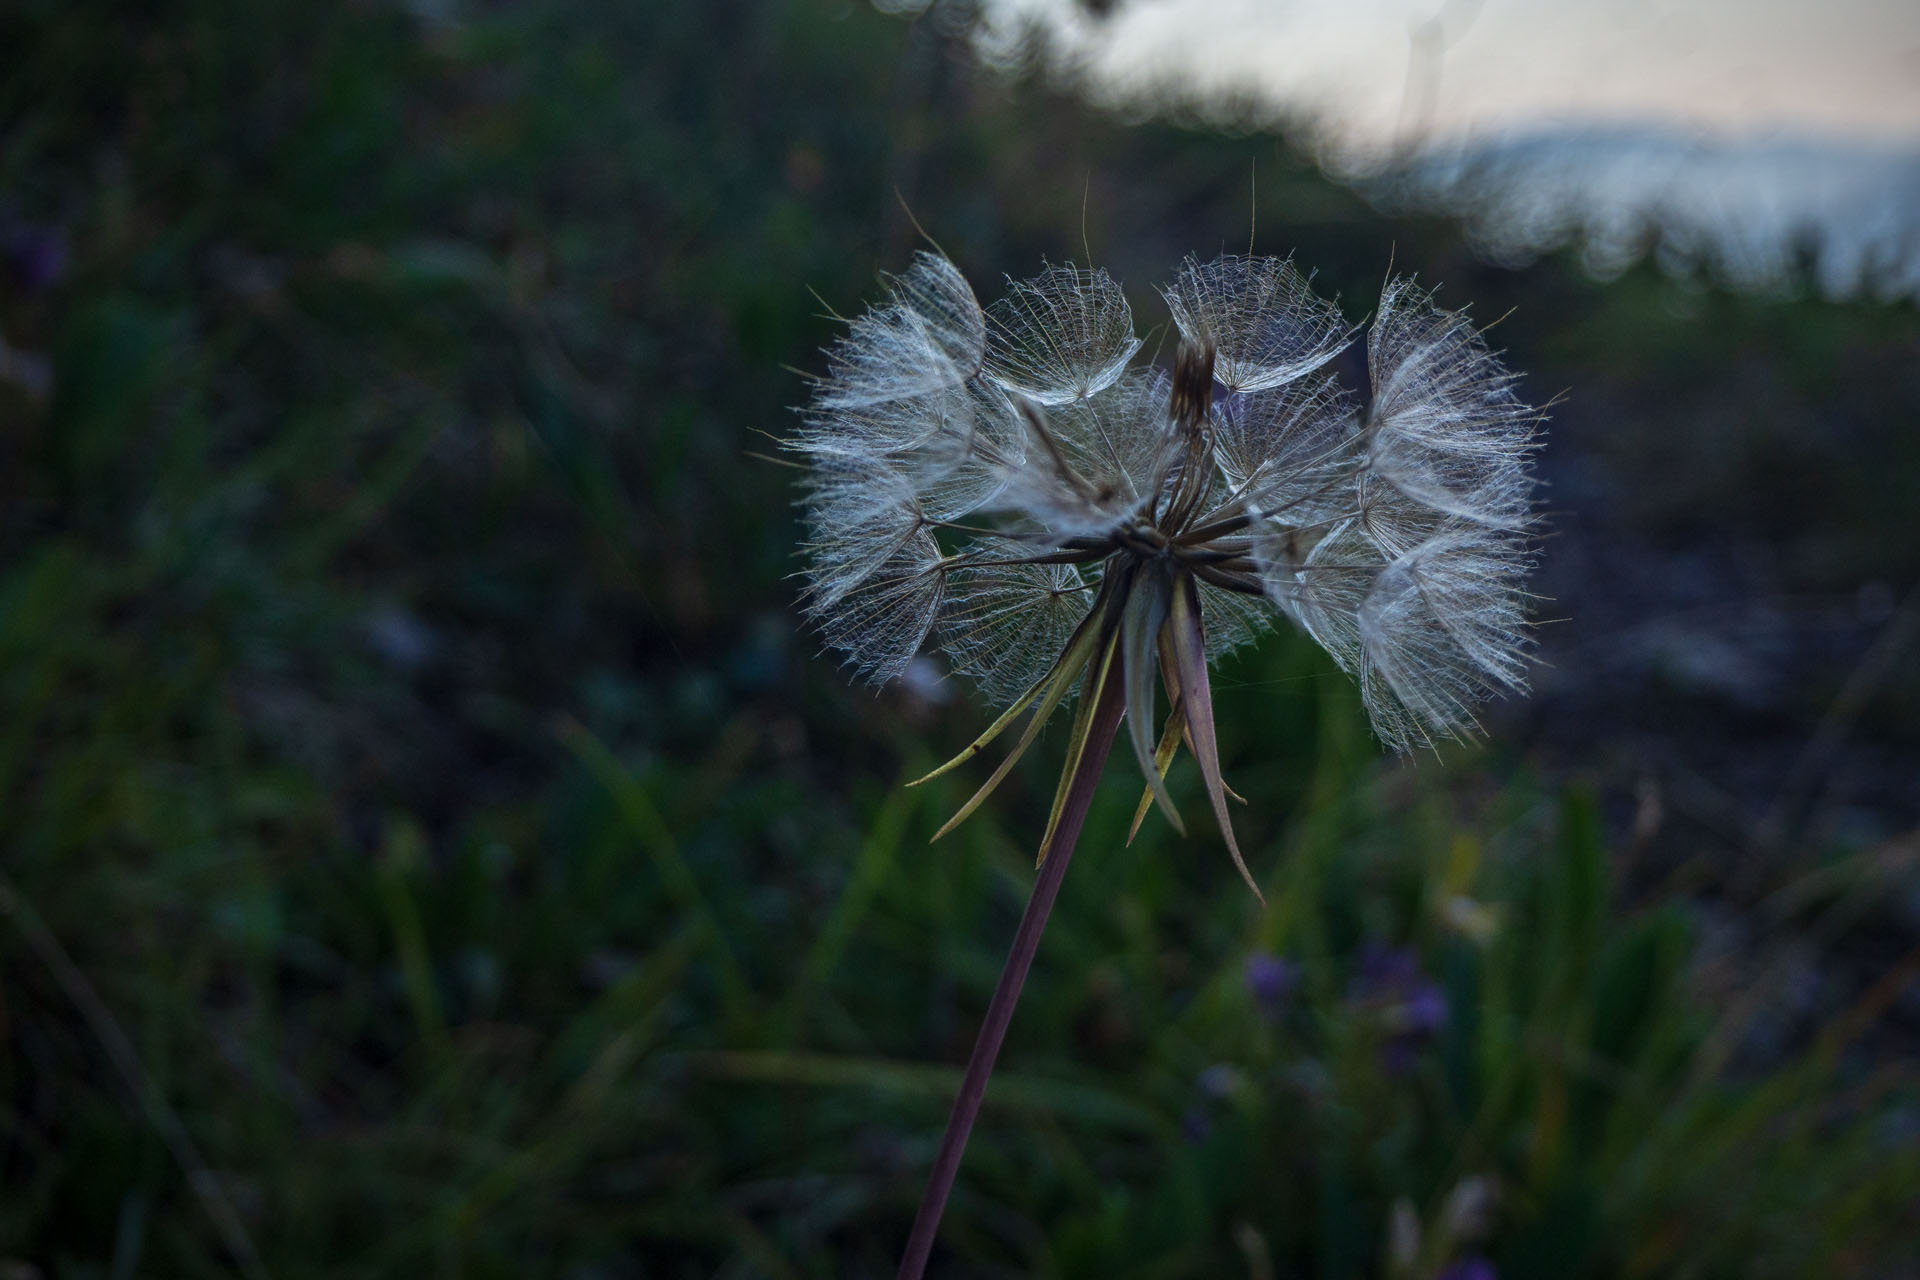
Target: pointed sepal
[[1053, 691], [1188, 641], [1140, 624], [1100, 690], [994, 730], [1162, 761]]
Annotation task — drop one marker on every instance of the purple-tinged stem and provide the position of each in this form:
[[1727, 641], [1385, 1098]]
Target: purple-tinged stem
[[1026, 941]]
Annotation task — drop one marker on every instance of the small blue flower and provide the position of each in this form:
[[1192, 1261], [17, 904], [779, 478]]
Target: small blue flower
[[1470, 1269], [1270, 981], [1424, 1011], [36, 255], [1408, 1005]]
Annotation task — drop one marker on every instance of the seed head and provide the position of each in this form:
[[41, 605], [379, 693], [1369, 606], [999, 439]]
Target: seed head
[[1006, 486]]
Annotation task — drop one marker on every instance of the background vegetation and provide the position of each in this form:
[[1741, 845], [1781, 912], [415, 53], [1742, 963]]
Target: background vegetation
[[429, 846]]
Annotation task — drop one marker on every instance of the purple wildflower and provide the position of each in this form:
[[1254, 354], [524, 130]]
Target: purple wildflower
[[36, 255], [1409, 1006], [1425, 1009], [1270, 981], [1470, 1269]]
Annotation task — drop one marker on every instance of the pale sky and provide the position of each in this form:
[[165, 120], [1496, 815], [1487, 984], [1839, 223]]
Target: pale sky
[[1747, 68]]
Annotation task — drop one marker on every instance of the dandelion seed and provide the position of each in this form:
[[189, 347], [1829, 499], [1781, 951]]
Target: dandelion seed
[[1001, 485]]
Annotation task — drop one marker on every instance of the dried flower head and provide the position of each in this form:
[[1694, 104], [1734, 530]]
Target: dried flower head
[[1008, 486]]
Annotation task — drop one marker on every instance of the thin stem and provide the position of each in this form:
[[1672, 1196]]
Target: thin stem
[[1026, 941]]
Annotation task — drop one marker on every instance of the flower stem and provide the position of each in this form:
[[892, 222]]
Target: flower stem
[[1026, 941]]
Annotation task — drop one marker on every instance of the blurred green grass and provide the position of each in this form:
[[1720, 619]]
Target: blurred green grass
[[405, 739]]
